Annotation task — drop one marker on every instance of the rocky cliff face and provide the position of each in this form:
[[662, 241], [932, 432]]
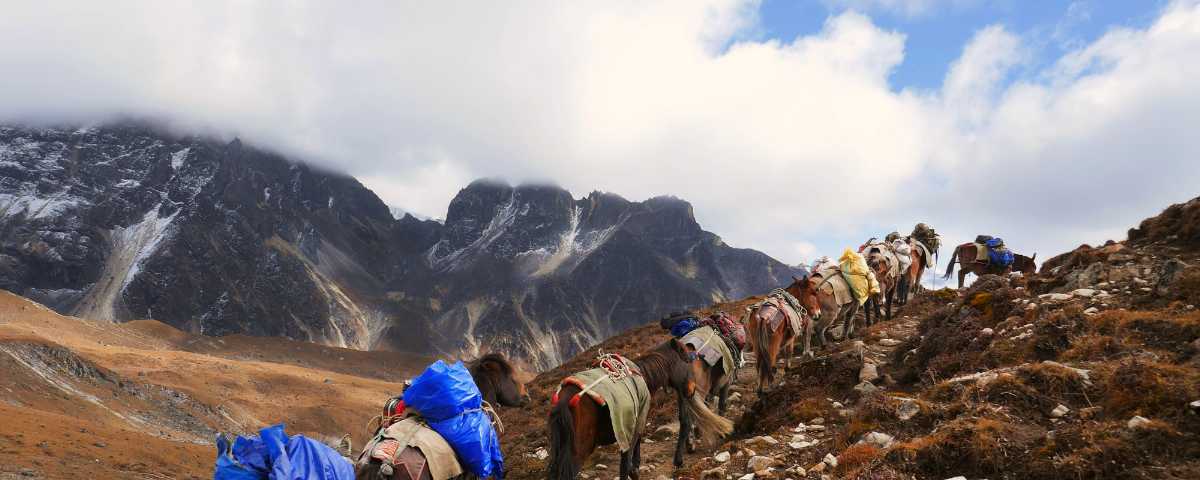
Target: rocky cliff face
[[124, 222]]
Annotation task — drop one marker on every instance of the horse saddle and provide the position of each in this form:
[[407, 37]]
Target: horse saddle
[[411, 445], [981, 253]]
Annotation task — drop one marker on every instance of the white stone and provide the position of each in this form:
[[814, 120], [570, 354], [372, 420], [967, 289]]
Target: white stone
[[801, 428], [1137, 422], [721, 457], [889, 342], [1059, 411], [816, 428], [799, 445], [960, 477], [1083, 292], [541, 454], [879, 439], [830, 460], [767, 440], [987, 332], [907, 409], [1091, 311], [1195, 405], [748, 476], [758, 463], [838, 405], [601, 466]]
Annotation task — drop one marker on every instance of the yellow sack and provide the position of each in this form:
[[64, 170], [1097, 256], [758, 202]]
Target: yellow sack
[[861, 279]]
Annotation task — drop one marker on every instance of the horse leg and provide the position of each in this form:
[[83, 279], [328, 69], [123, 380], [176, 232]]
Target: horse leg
[[723, 403], [626, 462], [685, 429], [890, 295], [962, 276], [635, 472]]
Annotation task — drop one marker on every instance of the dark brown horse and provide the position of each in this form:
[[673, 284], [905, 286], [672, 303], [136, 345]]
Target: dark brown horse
[[966, 254], [497, 382], [767, 343], [577, 428]]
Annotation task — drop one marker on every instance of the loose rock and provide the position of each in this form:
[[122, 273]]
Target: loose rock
[[907, 409], [1059, 411], [868, 373], [1137, 422], [879, 439], [759, 462], [889, 342], [830, 460], [721, 457]]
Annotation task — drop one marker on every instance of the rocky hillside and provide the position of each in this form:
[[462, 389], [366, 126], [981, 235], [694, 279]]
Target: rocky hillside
[[144, 400], [124, 222], [1089, 369]]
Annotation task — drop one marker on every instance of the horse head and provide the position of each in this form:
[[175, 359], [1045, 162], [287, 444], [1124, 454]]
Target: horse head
[[805, 290], [497, 381]]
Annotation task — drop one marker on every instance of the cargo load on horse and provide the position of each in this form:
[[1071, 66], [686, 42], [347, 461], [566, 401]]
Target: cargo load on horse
[[405, 444], [928, 238], [992, 251], [679, 323], [861, 279]]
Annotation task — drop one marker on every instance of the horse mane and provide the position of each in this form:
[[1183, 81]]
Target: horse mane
[[506, 367], [656, 366]]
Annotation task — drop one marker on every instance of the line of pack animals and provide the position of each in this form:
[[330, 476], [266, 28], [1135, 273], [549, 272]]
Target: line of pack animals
[[444, 425]]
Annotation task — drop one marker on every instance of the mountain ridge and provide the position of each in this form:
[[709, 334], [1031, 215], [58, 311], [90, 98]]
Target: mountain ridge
[[126, 221]]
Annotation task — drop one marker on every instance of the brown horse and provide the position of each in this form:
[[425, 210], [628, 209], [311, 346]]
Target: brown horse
[[576, 430], [967, 253], [497, 382], [767, 343], [830, 312], [910, 281]]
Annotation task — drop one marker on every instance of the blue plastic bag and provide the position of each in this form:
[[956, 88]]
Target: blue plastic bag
[[227, 468], [446, 396], [275, 456]]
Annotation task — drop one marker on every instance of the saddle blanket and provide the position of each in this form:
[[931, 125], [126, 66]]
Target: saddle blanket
[[711, 347], [627, 399], [981, 253], [833, 282], [793, 317], [389, 447]]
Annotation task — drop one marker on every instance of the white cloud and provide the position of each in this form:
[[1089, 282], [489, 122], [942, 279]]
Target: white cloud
[[777, 144]]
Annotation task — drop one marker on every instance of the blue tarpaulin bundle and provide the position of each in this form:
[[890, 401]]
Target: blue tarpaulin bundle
[[447, 398], [272, 455], [685, 326], [999, 254]]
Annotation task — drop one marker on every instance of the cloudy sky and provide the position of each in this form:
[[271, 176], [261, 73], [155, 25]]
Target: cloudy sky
[[795, 127]]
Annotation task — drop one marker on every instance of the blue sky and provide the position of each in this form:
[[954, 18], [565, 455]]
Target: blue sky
[[935, 37]]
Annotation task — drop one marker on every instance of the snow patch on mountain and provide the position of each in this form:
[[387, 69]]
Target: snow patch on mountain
[[130, 246]]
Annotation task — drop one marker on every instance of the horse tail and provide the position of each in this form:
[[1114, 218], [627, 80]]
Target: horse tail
[[712, 426], [762, 351], [950, 267], [562, 437]]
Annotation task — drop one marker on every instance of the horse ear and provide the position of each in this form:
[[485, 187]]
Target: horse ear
[[1034, 257]]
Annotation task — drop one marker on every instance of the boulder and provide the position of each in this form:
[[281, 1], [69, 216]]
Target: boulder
[[1084, 292]]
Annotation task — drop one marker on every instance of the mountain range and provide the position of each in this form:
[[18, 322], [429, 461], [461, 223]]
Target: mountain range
[[125, 221]]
